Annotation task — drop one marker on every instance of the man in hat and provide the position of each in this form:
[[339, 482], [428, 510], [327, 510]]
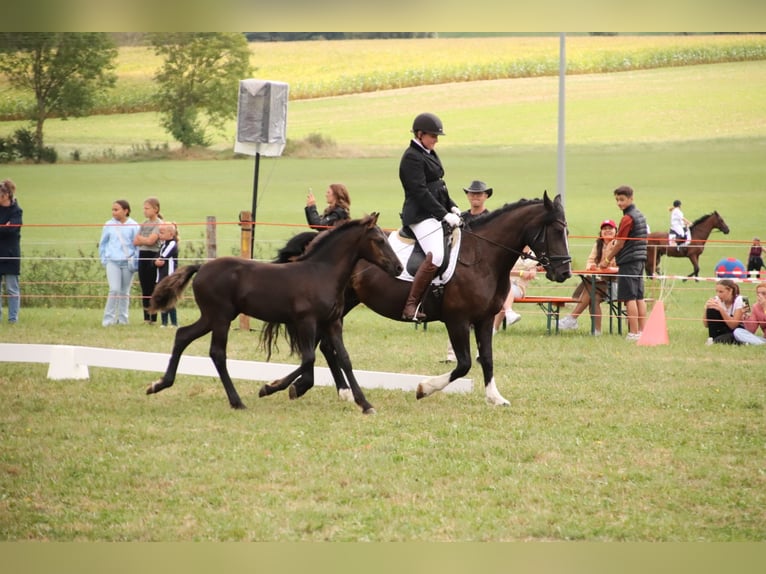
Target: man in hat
[[477, 193]]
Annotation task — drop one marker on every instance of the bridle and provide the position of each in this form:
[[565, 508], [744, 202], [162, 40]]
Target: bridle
[[541, 237]]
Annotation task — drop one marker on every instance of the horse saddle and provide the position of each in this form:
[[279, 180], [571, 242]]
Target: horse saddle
[[411, 254], [676, 240]]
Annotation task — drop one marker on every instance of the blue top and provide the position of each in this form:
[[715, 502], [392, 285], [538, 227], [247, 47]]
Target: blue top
[[117, 240]]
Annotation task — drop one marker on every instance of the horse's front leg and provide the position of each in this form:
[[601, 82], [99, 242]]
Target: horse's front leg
[[218, 343], [301, 386], [484, 342], [696, 266], [459, 336], [184, 337], [335, 335]]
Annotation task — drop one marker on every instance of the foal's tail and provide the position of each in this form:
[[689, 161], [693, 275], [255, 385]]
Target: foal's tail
[[167, 291], [270, 334]]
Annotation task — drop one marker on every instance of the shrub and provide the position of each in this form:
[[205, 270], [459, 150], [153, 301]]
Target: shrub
[[23, 145]]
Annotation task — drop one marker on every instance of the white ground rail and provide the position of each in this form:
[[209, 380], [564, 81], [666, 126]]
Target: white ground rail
[[72, 362]]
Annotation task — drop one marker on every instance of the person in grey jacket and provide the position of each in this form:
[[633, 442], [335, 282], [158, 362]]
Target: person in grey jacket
[[427, 205]]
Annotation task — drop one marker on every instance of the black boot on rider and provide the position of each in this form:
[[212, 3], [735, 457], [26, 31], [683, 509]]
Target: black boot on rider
[[420, 283]]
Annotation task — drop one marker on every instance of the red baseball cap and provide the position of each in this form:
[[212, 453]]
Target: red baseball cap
[[608, 223]]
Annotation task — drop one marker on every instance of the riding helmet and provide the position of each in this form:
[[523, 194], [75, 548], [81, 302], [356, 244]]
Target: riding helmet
[[428, 123], [677, 203]]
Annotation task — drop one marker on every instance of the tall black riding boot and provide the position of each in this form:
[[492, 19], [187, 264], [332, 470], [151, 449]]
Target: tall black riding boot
[[420, 283]]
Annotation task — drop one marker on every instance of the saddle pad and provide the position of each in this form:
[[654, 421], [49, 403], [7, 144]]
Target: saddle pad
[[404, 248]]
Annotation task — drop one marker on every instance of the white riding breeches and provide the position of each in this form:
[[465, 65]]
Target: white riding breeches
[[431, 238]]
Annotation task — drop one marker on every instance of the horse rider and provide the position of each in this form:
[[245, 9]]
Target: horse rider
[[427, 205], [679, 227]]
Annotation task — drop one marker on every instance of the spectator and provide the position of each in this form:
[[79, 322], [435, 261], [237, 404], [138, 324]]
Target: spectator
[[337, 211], [522, 272], [629, 250], [10, 248], [477, 193], [166, 263], [115, 249], [582, 292], [754, 318], [724, 313], [755, 259], [148, 242]]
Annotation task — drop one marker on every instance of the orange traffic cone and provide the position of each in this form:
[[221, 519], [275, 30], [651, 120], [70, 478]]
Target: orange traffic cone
[[656, 328]]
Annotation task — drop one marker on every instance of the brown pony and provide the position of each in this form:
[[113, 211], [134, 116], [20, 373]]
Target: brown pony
[[657, 243], [306, 295], [475, 293]]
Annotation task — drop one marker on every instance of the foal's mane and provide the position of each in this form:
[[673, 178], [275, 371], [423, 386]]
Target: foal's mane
[[494, 214], [324, 236]]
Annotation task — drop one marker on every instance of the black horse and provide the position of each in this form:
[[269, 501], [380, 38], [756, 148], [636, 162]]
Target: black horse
[[307, 296], [472, 297]]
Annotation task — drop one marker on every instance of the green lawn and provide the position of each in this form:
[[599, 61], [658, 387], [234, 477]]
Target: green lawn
[[603, 441]]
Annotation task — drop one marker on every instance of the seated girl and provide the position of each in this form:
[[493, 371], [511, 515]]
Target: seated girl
[[754, 319], [724, 313]]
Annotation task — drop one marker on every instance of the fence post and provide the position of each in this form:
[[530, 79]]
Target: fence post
[[245, 249], [211, 238]]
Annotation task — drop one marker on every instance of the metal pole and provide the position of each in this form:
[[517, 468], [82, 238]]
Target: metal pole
[[255, 202], [561, 168]]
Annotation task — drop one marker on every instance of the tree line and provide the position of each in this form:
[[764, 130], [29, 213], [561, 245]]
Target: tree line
[[65, 71]]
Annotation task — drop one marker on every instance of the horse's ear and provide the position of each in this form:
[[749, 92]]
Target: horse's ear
[[374, 218], [547, 201]]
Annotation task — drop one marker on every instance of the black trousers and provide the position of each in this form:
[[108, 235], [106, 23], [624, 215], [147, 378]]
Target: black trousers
[[755, 264], [718, 329], [147, 277]]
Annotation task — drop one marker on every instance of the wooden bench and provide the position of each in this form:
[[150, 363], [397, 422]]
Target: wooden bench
[[551, 306]]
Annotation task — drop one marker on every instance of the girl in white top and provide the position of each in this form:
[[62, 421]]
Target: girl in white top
[[679, 225], [724, 313]]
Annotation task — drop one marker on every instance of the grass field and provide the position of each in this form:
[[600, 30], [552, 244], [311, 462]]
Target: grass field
[[603, 441]]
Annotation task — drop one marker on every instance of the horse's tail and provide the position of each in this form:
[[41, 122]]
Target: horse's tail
[[167, 291], [270, 334]]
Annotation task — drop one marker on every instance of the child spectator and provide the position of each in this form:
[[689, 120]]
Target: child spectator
[[754, 259], [166, 263], [148, 242], [753, 319], [522, 272], [724, 313]]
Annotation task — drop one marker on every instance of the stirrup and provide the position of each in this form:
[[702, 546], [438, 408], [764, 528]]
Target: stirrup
[[417, 317]]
